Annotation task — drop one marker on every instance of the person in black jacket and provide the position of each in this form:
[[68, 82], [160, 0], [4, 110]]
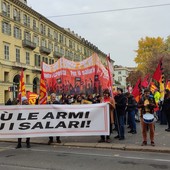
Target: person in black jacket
[[53, 101], [121, 102], [166, 108], [131, 109], [24, 101]]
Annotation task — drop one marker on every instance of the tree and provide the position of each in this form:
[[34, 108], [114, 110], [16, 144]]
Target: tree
[[147, 49], [133, 77]]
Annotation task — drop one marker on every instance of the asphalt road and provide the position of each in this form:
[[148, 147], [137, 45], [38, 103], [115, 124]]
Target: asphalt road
[[44, 157]]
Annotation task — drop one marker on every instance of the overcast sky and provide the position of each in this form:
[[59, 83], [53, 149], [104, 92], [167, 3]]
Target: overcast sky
[[116, 32]]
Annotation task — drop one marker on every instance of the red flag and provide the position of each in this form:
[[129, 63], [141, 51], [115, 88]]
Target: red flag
[[110, 71], [159, 76], [32, 97], [158, 72], [43, 90], [137, 90], [145, 82], [22, 90]]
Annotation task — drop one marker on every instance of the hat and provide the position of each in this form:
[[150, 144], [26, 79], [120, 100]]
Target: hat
[[23, 98]]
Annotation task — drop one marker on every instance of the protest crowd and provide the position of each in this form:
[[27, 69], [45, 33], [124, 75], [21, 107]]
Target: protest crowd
[[144, 104], [125, 111]]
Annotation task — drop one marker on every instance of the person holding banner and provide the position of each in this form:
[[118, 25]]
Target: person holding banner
[[24, 101], [147, 105], [107, 99], [53, 101]]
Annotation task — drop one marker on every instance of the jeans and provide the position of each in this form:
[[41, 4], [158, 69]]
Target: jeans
[[132, 122], [120, 126]]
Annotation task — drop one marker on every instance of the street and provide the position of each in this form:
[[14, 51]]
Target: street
[[44, 157]]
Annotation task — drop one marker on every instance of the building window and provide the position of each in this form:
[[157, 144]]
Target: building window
[[119, 72], [37, 60], [76, 58], [51, 61], [6, 52], [61, 50], [56, 48], [27, 58], [50, 46], [35, 25], [17, 33], [61, 38], [43, 29], [6, 9], [56, 36], [16, 15], [49, 33], [27, 79], [26, 20], [6, 76], [119, 79], [18, 55], [36, 40], [43, 43], [70, 44], [27, 36], [6, 28], [45, 60]]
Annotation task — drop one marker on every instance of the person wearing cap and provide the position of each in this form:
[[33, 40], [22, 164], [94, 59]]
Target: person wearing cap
[[24, 101], [146, 105]]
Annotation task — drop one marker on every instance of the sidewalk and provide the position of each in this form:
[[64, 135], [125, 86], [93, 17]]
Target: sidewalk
[[132, 141]]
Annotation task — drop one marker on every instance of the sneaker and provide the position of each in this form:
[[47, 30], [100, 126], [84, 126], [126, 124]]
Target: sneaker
[[152, 143], [108, 140], [18, 146], [134, 132], [144, 143], [130, 131], [168, 129], [28, 145], [116, 137], [121, 138], [58, 141], [101, 141], [50, 142]]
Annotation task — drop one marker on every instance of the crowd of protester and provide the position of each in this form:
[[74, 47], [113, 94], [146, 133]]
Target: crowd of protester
[[124, 110]]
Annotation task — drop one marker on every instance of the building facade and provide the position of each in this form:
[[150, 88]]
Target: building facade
[[27, 38], [120, 75]]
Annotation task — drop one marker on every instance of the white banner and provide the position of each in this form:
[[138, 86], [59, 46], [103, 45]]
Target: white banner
[[54, 120]]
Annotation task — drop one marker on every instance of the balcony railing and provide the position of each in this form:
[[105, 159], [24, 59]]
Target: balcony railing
[[45, 50], [29, 44], [57, 54]]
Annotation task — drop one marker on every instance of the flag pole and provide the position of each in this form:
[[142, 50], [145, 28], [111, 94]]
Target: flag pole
[[111, 90]]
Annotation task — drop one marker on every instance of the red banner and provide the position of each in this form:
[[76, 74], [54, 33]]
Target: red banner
[[65, 76]]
